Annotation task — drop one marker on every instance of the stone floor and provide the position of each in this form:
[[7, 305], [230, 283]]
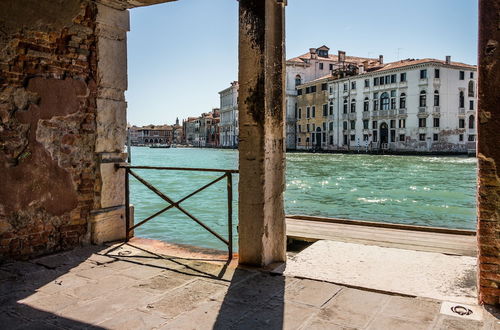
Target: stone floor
[[127, 287]]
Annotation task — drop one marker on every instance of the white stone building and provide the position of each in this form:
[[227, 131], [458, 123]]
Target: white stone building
[[307, 67], [425, 105], [228, 129]]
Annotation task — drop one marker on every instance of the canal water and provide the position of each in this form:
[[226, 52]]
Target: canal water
[[417, 190]]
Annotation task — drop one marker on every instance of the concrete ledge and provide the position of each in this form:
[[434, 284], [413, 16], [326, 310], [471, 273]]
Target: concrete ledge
[[108, 224]]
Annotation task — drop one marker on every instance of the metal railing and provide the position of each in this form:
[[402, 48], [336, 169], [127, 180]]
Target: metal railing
[[129, 227]]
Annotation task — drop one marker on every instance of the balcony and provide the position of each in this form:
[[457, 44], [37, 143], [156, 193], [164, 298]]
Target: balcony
[[375, 113], [403, 84], [352, 116], [436, 109], [392, 112], [366, 114], [402, 111], [422, 109], [423, 81], [384, 113], [436, 81], [461, 111], [345, 116]]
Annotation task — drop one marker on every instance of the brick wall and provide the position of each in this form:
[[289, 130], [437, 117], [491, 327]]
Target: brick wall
[[48, 165]]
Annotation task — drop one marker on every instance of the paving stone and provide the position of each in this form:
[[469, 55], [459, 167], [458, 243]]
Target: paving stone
[[309, 292], [102, 286], [415, 309], [141, 272], [49, 303], [164, 282], [455, 323], [64, 283], [276, 315], [203, 317], [353, 308], [386, 322], [186, 298], [96, 272], [320, 324], [133, 319], [10, 320], [90, 312]]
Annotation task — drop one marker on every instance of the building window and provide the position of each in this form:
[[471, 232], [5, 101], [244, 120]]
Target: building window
[[461, 100], [402, 101], [374, 124], [472, 75], [300, 113], [313, 89], [325, 110], [307, 141], [365, 137], [308, 90], [331, 67], [308, 128], [313, 138], [324, 126], [393, 135], [308, 112], [374, 135], [324, 137], [366, 104], [402, 77], [471, 88], [423, 74], [393, 78], [324, 87], [313, 111], [436, 122], [298, 140], [344, 125], [330, 126], [471, 138], [298, 80], [375, 81], [461, 75], [393, 123], [435, 137], [313, 127], [436, 98], [367, 82], [436, 73], [381, 80], [353, 105], [345, 87], [300, 128], [402, 123], [423, 99], [353, 85], [384, 101], [461, 123], [321, 66], [331, 139], [375, 101], [471, 121], [365, 124], [422, 122], [331, 108], [330, 89], [421, 137], [299, 91], [353, 137], [471, 105], [345, 105], [353, 124], [460, 137], [401, 137], [393, 99]]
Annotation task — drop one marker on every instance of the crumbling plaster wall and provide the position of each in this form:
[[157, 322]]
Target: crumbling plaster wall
[[62, 120]]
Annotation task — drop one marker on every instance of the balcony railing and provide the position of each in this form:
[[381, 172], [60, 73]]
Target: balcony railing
[[402, 111], [422, 109], [461, 111]]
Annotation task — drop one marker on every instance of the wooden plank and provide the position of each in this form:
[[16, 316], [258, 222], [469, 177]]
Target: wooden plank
[[442, 241]]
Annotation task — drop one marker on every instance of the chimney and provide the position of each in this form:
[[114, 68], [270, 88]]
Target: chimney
[[381, 59], [313, 52], [361, 69], [448, 59], [341, 56]]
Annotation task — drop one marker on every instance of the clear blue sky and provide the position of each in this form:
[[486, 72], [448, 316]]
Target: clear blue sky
[[181, 54]]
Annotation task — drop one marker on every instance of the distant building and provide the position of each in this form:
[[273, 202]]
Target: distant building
[[189, 130], [151, 134], [317, 63], [410, 105], [206, 133], [229, 116]]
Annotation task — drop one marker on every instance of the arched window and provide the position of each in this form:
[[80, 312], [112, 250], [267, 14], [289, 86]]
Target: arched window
[[402, 101], [345, 105], [436, 98], [384, 101], [353, 105], [471, 88], [423, 99], [366, 105], [471, 121], [298, 80], [461, 100]]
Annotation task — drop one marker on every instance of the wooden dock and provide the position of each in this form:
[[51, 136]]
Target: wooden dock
[[419, 238]]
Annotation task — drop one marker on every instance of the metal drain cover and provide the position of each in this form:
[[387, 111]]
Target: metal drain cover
[[462, 310]]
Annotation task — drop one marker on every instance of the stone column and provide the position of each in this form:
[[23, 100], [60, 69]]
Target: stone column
[[108, 221], [488, 126], [262, 236]]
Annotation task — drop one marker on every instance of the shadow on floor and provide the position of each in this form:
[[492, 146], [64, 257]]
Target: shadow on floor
[[19, 281]]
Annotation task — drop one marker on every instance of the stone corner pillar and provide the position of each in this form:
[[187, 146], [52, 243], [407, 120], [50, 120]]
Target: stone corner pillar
[[107, 222], [262, 235], [488, 126]]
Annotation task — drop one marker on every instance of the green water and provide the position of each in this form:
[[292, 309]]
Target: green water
[[430, 191]]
